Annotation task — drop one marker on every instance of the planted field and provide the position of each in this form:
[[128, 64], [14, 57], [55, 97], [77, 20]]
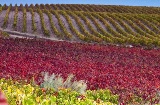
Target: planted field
[[86, 23], [112, 51], [128, 72]]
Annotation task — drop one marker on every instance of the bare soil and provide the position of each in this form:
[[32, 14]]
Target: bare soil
[[66, 24], [2, 15], [10, 20], [102, 25], [38, 24], [130, 27], [47, 23], [29, 23], [75, 24], [20, 21], [84, 24], [56, 22], [92, 24]]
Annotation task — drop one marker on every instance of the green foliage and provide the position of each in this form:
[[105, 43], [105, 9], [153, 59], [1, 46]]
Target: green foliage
[[34, 28], [57, 82], [67, 34], [45, 30], [5, 34], [22, 93], [24, 29], [103, 95], [0, 9], [6, 17], [55, 30], [71, 26], [15, 18]]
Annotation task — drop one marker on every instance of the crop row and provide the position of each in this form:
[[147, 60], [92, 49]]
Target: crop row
[[15, 18], [6, 17], [61, 24], [24, 29], [45, 30], [34, 28]]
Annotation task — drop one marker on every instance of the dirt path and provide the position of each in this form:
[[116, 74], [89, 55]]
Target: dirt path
[[20, 21], [29, 22], [2, 15], [38, 24], [10, 20]]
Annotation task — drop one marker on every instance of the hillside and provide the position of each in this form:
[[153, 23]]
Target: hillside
[[113, 52], [85, 23]]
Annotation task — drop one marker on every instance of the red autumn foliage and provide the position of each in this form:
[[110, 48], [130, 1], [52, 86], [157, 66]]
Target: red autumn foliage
[[125, 71]]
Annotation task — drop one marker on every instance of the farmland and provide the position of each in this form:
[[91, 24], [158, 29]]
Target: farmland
[[110, 47], [128, 25]]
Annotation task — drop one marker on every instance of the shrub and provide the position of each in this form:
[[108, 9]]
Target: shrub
[[57, 82], [3, 34]]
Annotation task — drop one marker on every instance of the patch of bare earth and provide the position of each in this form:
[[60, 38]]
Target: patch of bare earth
[[92, 24], [84, 25], [55, 20], [20, 21], [47, 23], [38, 25], [29, 23], [111, 25], [2, 15], [133, 30], [101, 24], [66, 25], [10, 20], [75, 24]]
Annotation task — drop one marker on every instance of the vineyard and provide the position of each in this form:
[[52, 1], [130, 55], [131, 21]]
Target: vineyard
[[85, 23], [111, 53]]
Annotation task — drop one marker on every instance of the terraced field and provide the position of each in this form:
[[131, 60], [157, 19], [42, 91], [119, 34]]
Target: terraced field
[[85, 23]]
